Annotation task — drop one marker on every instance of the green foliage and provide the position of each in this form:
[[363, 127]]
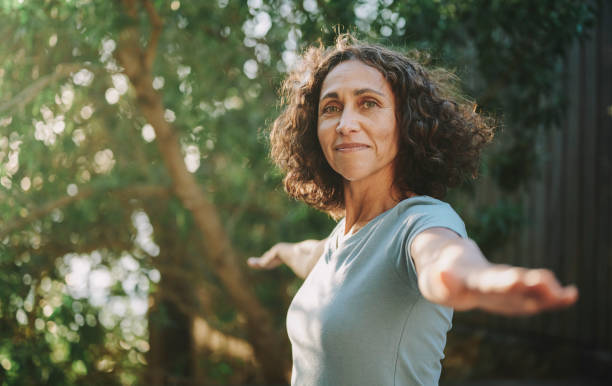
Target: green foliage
[[48, 337], [217, 69]]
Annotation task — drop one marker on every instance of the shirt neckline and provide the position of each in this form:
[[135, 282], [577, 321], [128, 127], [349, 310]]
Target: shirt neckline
[[342, 240]]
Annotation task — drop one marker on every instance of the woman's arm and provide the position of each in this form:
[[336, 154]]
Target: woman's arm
[[453, 272], [300, 257]]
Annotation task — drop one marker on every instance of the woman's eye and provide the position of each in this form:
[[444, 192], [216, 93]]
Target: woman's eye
[[331, 109], [369, 104]]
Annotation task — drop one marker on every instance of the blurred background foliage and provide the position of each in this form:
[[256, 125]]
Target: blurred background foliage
[[102, 275]]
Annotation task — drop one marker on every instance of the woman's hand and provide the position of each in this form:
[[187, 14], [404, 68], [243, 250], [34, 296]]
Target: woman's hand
[[453, 272], [273, 257], [300, 257], [507, 290]]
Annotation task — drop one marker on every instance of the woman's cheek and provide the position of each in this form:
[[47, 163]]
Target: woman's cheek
[[325, 133]]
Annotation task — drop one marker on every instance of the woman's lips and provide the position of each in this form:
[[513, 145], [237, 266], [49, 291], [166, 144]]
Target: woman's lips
[[350, 147]]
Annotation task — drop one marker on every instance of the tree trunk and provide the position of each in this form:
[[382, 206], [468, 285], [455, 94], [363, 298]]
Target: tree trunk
[[222, 258], [169, 356]]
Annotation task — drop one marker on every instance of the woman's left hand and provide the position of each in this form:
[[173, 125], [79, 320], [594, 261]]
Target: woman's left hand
[[507, 290], [453, 272]]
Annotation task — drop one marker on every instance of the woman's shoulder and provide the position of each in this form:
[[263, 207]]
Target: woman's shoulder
[[421, 212], [417, 204]]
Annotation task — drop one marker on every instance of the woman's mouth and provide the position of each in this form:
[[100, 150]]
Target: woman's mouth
[[350, 147]]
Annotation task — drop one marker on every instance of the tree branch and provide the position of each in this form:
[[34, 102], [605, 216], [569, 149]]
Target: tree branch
[[30, 92], [157, 24], [185, 275], [205, 336], [130, 192], [130, 7], [179, 301]]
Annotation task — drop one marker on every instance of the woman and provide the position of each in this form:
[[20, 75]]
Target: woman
[[368, 135]]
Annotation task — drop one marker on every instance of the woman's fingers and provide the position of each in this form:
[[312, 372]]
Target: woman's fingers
[[255, 262], [516, 291], [544, 286], [268, 260], [570, 295]]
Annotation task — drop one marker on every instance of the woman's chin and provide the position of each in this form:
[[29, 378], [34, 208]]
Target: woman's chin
[[352, 177], [371, 176]]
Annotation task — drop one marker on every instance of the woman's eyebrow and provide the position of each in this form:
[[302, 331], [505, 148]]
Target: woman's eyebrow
[[367, 90], [331, 95], [334, 95]]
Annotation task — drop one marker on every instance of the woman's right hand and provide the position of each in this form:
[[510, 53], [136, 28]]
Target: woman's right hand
[[273, 257], [300, 257]]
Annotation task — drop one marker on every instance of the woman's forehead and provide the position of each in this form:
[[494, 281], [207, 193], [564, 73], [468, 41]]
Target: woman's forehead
[[354, 75]]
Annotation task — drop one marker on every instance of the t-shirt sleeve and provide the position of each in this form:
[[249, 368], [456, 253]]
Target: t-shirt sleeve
[[420, 218]]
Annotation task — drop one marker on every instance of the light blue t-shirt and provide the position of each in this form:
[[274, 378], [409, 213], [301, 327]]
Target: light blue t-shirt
[[359, 317]]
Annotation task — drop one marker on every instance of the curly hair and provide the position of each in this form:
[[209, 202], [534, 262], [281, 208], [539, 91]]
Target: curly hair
[[440, 133]]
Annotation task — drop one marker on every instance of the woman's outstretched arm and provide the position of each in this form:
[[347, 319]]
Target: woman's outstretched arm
[[453, 272], [300, 257]]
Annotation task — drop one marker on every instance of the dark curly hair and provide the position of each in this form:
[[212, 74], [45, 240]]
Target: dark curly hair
[[440, 133]]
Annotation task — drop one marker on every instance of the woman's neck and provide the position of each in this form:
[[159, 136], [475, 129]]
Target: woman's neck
[[364, 201]]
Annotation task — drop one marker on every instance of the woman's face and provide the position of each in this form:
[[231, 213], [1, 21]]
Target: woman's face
[[356, 123]]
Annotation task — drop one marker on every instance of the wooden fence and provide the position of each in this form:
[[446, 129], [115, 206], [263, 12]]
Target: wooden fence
[[569, 208]]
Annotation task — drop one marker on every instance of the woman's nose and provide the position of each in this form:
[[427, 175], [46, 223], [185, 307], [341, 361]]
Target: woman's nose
[[349, 122]]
